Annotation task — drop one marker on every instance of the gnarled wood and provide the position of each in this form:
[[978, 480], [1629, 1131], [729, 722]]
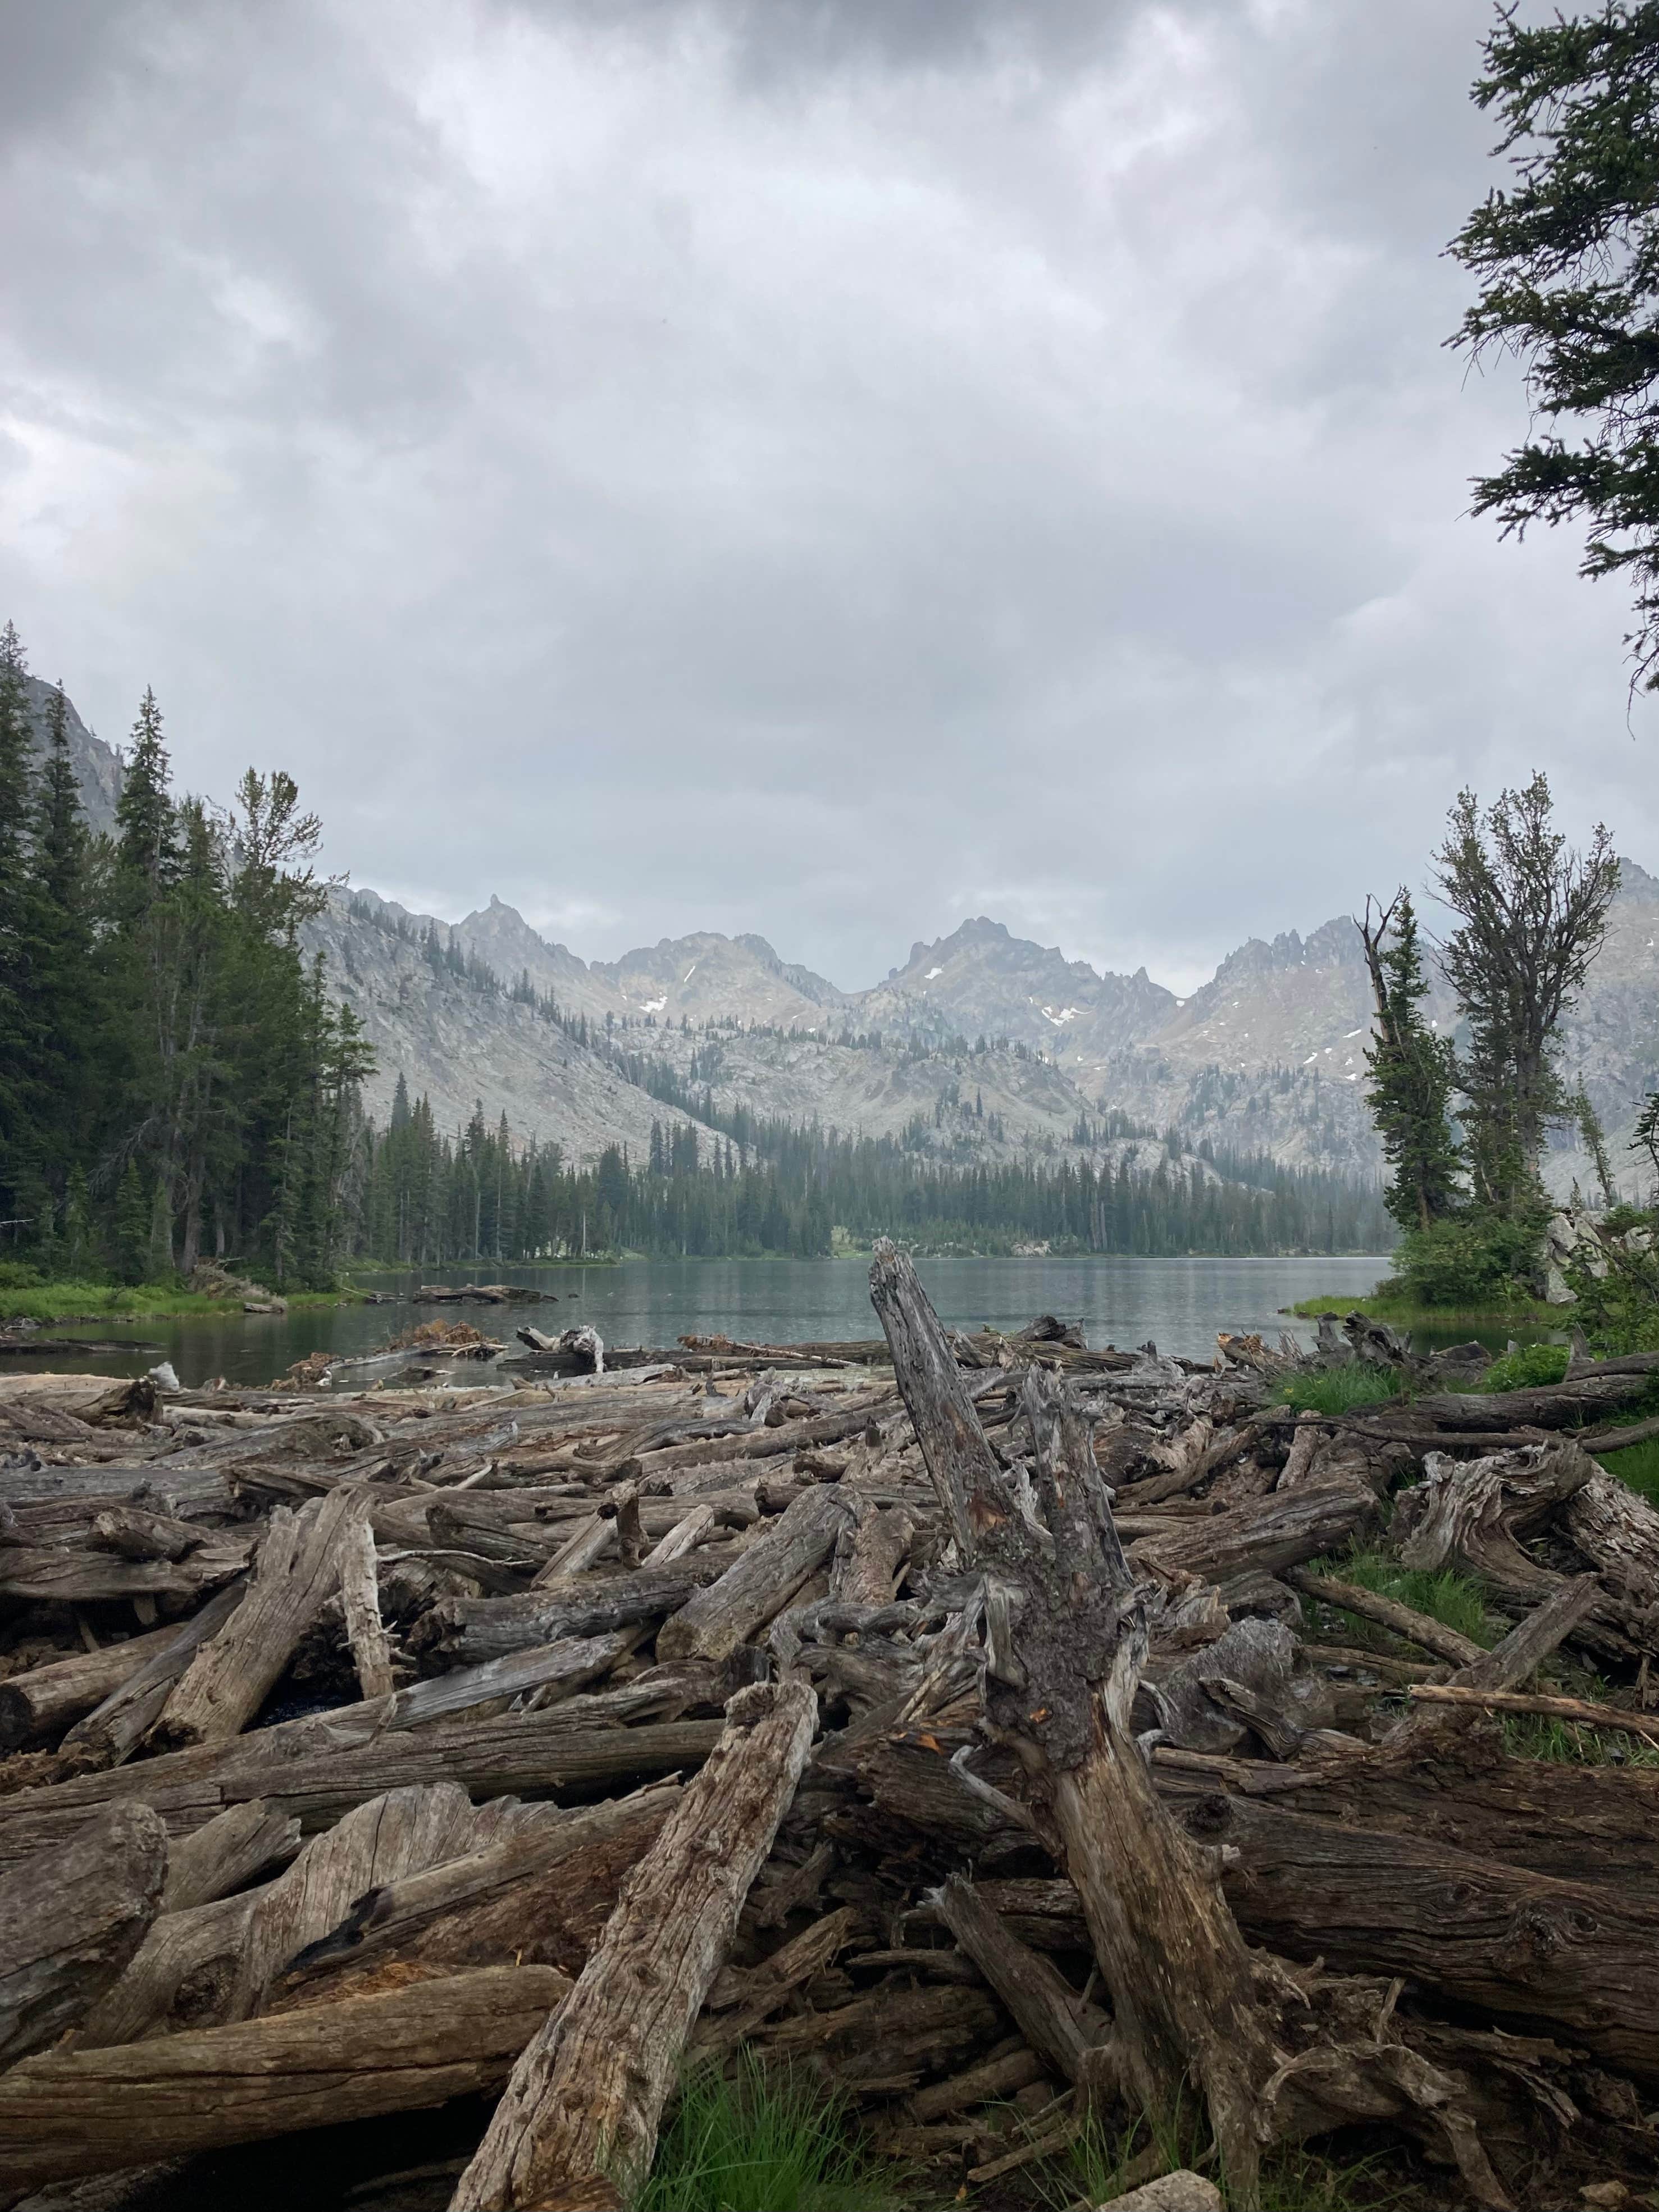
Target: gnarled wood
[[578, 2124], [1047, 2012]]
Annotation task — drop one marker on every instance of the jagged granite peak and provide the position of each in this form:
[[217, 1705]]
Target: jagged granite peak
[[982, 981]]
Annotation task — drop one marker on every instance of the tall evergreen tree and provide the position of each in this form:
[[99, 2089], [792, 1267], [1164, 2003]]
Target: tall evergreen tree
[[1412, 1072]]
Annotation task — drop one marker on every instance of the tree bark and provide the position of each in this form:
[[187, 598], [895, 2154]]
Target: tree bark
[[73, 1920], [578, 2124]]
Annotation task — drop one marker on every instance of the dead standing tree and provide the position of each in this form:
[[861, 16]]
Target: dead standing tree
[[1065, 1640]]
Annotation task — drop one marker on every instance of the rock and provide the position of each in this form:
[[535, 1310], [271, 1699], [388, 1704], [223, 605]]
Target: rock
[[1608, 2196], [1187, 2192]]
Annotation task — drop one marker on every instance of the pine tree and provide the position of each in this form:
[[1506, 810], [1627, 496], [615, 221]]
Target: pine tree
[[147, 837], [131, 1224], [1412, 1073]]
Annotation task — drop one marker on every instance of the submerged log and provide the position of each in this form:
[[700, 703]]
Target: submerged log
[[578, 2124]]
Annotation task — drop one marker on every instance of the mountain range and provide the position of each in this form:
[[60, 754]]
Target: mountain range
[[981, 1046]]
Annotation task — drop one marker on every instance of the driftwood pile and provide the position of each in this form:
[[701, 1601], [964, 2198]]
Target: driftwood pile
[[953, 1727]]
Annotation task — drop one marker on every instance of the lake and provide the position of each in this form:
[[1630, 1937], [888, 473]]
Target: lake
[[1178, 1305]]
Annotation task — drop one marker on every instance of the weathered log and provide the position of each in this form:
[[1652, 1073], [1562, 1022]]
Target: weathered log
[[1267, 1534], [203, 1967], [868, 1555], [542, 1891], [1048, 2013], [1578, 1711], [62, 2114], [112, 1731], [1582, 1956], [556, 1669], [998, 2076], [578, 2124], [53, 1575], [1559, 1405], [760, 1582], [227, 1854], [135, 1533], [360, 1599], [74, 1918], [1418, 1628], [478, 1630], [45, 1701], [296, 1572], [527, 1754]]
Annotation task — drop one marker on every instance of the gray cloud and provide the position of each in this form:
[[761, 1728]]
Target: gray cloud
[[817, 466]]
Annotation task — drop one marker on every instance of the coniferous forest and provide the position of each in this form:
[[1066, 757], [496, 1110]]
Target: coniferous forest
[[177, 1085]]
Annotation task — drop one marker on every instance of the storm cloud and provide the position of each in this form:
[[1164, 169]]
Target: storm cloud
[[824, 467]]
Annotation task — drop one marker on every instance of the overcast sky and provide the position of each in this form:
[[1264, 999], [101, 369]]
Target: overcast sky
[[824, 467]]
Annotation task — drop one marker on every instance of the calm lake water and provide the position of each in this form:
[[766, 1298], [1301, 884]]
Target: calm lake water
[[1179, 1304]]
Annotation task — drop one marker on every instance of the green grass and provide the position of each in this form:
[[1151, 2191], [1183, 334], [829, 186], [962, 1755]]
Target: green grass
[[1637, 1465], [763, 2140], [1294, 2178], [1563, 1743], [73, 1301], [1340, 1389], [1451, 1599]]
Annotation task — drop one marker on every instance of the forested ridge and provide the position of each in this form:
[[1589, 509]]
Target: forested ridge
[[426, 1198]]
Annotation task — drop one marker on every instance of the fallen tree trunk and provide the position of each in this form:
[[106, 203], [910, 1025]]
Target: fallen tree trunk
[[578, 2124], [1581, 1958], [98, 2112], [528, 1754]]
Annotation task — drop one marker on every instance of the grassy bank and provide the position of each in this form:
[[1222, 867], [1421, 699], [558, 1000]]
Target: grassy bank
[[1530, 1312], [74, 1301]]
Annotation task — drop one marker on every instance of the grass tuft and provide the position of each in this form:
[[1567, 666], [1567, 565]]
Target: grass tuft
[[761, 2140], [1451, 1599], [1340, 1389], [1294, 2178], [1637, 1465], [1565, 1743]]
